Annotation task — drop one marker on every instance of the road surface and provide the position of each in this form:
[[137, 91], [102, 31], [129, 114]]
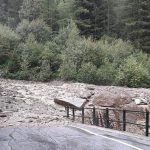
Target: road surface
[[78, 137]]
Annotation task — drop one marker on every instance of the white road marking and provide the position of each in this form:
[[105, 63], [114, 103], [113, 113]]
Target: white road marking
[[115, 140]]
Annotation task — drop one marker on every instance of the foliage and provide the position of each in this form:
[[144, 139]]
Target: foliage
[[133, 74], [106, 74], [116, 50], [87, 73], [95, 18], [137, 23], [38, 28], [8, 42], [102, 42], [31, 9]]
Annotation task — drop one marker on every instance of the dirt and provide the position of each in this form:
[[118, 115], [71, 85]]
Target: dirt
[[32, 103]]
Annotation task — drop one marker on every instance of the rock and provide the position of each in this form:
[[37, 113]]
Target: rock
[[90, 105], [140, 101], [30, 120], [111, 100], [71, 101], [90, 88], [86, 95], [28, 102], [3, 93], [3, 115], [9, 102]]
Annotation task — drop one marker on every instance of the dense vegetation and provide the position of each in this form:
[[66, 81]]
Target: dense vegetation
[[103, 42]]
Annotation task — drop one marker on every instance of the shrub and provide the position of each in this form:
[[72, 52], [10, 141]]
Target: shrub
[[31, 9], [68, 71], [87, 73], [133, 74], [51, 55], [115, 50], [106, 74], [38, 28], [8, 42], [30, 53]]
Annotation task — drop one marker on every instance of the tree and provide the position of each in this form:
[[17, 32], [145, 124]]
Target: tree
[[144, 22], [38, 28], [31, 9], [50, 13], [137, 23], [95, 18], [66, 12], [8, 42], [9, 12]]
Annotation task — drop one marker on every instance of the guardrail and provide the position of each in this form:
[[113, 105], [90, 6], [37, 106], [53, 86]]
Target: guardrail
[[106, 120]]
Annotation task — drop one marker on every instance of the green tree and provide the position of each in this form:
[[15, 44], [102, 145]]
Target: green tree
[[38, 28], [133, 74], [87, 73], [50, 14], [95, 18], [137, 23], [9, 12], [8, 42], [66, 12], [31, 9]]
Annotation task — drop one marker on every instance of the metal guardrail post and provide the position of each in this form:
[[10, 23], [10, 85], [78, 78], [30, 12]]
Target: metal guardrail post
[[107, 118], [67, 111], [147, 124], [124, 120], [83, 115], [94, 116], [73, 113]]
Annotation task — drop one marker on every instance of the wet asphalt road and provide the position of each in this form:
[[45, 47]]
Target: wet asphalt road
[[69, 138]]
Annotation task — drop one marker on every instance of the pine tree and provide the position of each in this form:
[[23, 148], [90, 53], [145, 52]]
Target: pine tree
[[9, 12], [95, 18], [144, 23], [137, 23]]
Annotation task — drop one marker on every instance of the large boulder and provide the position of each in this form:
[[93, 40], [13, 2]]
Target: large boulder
[[71, 102], [108, 99]]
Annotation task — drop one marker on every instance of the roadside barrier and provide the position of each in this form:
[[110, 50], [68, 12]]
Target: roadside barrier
[[109, 117]]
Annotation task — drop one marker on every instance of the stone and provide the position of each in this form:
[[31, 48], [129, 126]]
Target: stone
[[86, 95], [140, 101], [111, 100], [71, 101], [3, 115], [90, 88]]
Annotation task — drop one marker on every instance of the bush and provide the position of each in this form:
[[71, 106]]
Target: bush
[[38, 28], [87, 73], [31, 9], [106, 74], [133, 74], [68, 71], [30, 53], [8, 42], [115, 51], [51, 54]]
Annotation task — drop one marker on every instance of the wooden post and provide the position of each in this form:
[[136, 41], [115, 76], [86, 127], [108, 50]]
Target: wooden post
[[97, 121], [107, 118], [124, 120], [147, 124], [67, 111], [94, 116], [73, 113], [83, 115]]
